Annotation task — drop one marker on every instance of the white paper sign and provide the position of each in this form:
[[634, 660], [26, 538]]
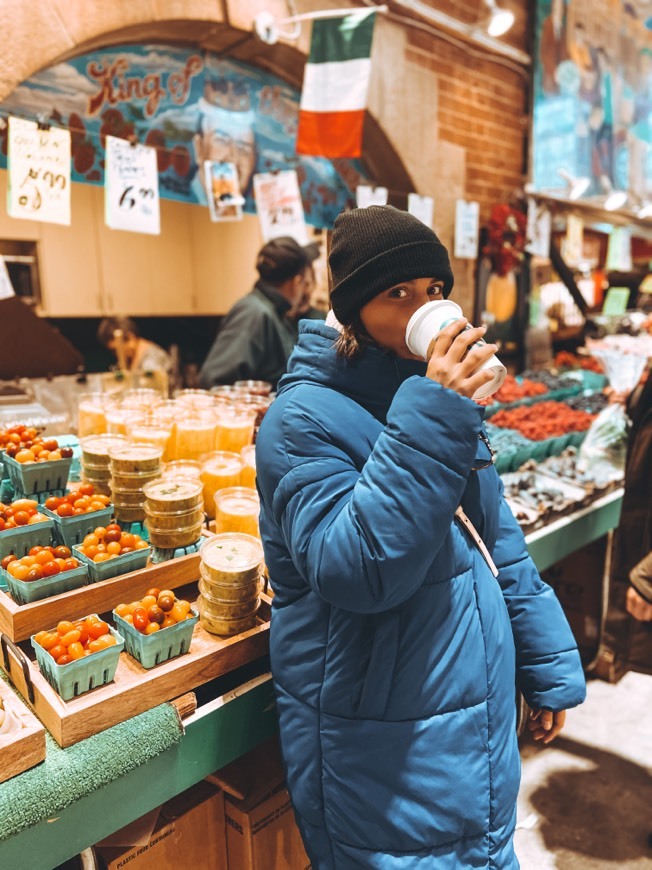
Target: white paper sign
[[131, 200], [573, 244], [366, 195], [6, 287], [619, 250], [224, 198], [279, 206], [39, 172], [539, 228], [467, 229], [422, 207]]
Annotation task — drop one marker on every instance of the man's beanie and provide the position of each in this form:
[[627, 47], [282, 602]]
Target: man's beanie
[[377, 247]]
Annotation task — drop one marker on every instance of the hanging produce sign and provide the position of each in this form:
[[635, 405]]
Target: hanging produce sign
[[365, 195], [280, 211], [131, 189], [39, 172], [191, 108], [422, 207], [467, 229], [225, 200]]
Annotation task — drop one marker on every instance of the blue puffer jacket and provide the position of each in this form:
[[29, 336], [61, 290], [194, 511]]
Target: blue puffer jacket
[[394, 649]]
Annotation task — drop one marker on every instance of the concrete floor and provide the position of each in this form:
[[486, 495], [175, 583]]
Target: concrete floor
[[586, 800]]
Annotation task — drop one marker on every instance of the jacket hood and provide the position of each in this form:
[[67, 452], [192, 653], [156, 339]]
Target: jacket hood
[[371, 380]]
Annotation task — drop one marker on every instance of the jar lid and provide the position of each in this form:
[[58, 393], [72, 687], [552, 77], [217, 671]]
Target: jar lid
[[173, 489], [221, 460], [232, 551], [102, 443], [136, 452]]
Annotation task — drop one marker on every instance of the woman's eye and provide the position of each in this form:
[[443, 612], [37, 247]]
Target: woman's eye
[[435, 290], [397, 293]]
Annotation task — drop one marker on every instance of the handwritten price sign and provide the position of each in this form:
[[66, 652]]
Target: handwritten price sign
[[39, 172], [279, 206], [131, 200]]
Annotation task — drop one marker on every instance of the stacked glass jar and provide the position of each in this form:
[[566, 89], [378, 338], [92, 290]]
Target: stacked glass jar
[[95, 460], [229, 584], [132, 467], [174, 512]]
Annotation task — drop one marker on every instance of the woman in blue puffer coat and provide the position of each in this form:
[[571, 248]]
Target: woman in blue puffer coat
[[395, 650]]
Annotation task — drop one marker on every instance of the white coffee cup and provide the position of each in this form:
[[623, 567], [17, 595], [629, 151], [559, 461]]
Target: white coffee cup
[[423, 328]]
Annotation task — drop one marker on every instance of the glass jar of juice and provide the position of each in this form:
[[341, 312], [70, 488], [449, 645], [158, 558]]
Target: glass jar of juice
[[236, 510], [188, 469], [256, 388], [167, 413], [219, 470], [195, 435], [140, 399], [235, 430], [148, 431], [195, 400], [116, 418], [91, 418], [248, 473]]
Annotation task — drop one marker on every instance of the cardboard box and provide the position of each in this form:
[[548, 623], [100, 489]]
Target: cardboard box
[[578, 581], [261, 833], [186, 831]]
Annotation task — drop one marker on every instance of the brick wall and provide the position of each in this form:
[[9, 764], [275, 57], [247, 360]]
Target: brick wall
[[482, 104]]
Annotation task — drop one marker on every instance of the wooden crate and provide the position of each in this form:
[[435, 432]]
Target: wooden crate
[[26, 748], [21, 621], [135, 689]]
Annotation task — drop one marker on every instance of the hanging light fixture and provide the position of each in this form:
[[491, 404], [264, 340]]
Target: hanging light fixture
[[500, 20], [576, 186], [615, 199]]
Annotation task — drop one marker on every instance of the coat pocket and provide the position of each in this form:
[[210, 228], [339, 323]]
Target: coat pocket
[[377, 684]]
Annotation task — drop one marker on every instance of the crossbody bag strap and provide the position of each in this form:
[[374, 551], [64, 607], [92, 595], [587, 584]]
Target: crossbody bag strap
[[474, 535]]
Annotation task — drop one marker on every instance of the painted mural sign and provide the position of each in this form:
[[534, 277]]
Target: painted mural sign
[[593, 94], [191, 108]]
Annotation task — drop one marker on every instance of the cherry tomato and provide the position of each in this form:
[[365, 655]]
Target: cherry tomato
[[65, 626], [129, 540], [70, 565], [122, 610], [148, 601], [102, 557], [154, 592], [64, 660], [140, 619], [155, 614], [166, 602], [97, 629], [152, 627], [71, 637], [49, 639], [65, 509], [95, 646], [66, 452], [113, 527], [76, 650], [87, 489], [20, 572], [113, 547], [57, 650], [50, 569], [52, 503], [167, 622], [111, 536], [62, 552], [44, 557], [35, 573], [7, 559], [21, 518]]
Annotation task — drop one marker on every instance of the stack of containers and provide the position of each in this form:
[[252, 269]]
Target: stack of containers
[[229, 584], [95, 460], [174, 511], [132, 467]]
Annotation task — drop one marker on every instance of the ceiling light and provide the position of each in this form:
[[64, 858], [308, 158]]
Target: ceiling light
[[500, 20], [576, 186], [615, 199]]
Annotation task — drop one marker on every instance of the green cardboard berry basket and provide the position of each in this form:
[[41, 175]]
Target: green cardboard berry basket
[[33, 478], [24, 593], [80, 676], [153, 649], [20, 540], [114, 567], [72, 530]]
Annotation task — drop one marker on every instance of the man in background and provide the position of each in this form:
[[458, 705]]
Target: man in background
[[258, 334]]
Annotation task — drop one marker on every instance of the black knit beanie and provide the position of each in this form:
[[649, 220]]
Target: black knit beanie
[[376, 247]]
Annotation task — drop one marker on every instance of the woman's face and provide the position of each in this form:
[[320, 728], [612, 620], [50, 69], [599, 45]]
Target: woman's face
[[386, 317]]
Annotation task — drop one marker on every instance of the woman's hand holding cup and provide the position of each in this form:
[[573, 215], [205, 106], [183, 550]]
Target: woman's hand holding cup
[[453, 361]]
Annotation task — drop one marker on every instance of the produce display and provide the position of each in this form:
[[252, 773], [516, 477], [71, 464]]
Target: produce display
[[543, 420], [592, 403], [71, 641], [515, 389], [81, 500], [541, 494], [40, 562], [22, 512], [23, 444], [566, 360], [159, 609], [106, 543]]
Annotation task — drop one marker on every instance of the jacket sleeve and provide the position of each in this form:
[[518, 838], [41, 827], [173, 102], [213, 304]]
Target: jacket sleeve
[[365, 539], [239, 349], [549, 670], [641, 578]]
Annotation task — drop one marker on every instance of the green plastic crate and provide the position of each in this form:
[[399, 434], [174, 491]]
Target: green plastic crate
[[81, 676], [153, 649], [33, 478], [20, 540], [114, 567], [25, 593], [72, 530]]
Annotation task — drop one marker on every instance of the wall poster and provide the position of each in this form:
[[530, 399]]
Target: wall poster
[[593, 94], [192, 108]]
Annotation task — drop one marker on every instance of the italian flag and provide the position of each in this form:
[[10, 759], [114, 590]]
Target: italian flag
[[335, 86]]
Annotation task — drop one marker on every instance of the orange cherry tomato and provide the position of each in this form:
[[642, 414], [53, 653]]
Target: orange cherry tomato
[[122, 610], [87, 489], [76, 651], [64, 660], [97, 629], [113, 547], [111, 536], [52, 503], [71, 637], [57, 651], [50, 569], [65, 626], [21, 518], [152, 627], [44, 557], [65, 509], [140, 619], [49, 639], [148, 601]]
